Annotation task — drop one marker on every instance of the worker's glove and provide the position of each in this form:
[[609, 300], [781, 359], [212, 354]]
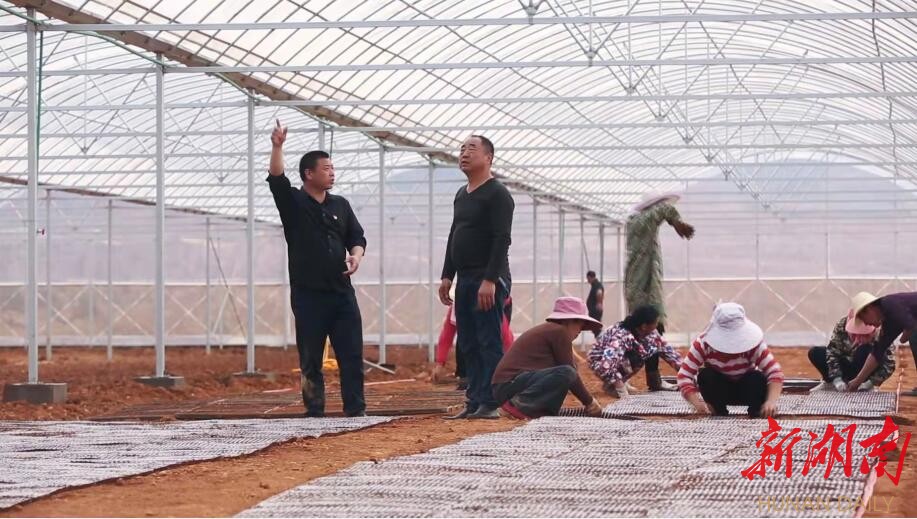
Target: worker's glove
[[866, 386], [594, 408], [839, 384]]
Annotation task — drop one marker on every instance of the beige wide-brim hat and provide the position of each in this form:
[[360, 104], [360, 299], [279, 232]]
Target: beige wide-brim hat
[[861, 301], [730, 331], [654, 197]]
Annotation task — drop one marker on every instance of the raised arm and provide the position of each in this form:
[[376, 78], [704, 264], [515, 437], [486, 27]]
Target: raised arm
[[278, 181], [668, 213], [278, 137]]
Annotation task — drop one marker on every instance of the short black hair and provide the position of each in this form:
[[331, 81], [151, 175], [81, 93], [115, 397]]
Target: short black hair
[[590, 274], [488, 146], [310, 161], [642, 315]]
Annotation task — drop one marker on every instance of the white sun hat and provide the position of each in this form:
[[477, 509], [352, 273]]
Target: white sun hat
[[654, 197], [730, 331]]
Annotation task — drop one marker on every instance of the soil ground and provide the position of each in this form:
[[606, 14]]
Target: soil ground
[[225, 487]]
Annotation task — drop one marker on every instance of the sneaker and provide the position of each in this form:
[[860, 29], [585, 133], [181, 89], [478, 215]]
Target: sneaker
[[630, 388], [485, 413], [513, 411], [822, 386], [666, 386], [466, 413]]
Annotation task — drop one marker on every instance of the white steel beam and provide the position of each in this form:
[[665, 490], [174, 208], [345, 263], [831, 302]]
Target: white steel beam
[[596, 99], [159, 319], [481, 22], [250, 243], [31, 220], [383, 318], [481, 65]]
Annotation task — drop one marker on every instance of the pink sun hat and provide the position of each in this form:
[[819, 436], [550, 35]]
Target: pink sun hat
[[857, 327], [566, 308]]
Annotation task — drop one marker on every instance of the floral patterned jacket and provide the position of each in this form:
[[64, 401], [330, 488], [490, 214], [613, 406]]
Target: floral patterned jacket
[[618, 354]]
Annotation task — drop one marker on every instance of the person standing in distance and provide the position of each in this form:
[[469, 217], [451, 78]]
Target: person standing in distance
[[325, 244], [595, 302], [478, 254]]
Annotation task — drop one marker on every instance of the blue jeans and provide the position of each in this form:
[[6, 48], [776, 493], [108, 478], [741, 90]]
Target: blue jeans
[[479, 339]]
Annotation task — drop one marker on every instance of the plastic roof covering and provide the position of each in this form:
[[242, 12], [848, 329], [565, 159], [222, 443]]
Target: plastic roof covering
[[604, 169]]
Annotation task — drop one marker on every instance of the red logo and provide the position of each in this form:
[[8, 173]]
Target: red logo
[[830, 449]]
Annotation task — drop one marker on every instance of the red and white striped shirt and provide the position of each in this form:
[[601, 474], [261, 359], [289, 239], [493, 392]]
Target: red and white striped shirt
[[732, 365]]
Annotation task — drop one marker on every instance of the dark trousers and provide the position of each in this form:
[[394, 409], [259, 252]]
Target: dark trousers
[[479, 339], [460, 370], [651, 363], [818, 356], [320, 315], [597, 315], [719, 390], [537, 393]]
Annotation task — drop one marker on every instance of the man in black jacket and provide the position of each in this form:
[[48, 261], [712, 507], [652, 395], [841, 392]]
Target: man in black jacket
[[325, 245], [477, 252]]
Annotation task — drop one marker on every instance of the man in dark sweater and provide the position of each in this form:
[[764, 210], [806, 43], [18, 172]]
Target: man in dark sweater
[[535, 375], [897, 315], [325, 245], [477, 252], [595, 301]]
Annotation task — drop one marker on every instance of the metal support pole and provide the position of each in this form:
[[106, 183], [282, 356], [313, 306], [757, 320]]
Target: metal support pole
[[382, 301], [622, 300], [827, 255], [208, 336], [250, 243], [534, 261], [602, 252], [432, 326], [159, 324], [321, 135], [582, 256], [110, 324], [92, 293], [560, 253], [31, 310], [49, 302]]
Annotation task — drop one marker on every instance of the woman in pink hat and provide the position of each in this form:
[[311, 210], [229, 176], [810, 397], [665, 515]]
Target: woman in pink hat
[[845, 355], [535, 375]]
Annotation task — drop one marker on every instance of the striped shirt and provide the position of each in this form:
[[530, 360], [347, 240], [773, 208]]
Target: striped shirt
[[732, 365]]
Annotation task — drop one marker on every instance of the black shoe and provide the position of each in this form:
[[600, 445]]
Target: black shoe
[[358, 414], [485, 413], [466, 413], [315, 414]]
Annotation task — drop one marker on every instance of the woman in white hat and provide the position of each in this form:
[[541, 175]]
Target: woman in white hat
[[845, 356], [643, 271], [730, 364], [897, 315]]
